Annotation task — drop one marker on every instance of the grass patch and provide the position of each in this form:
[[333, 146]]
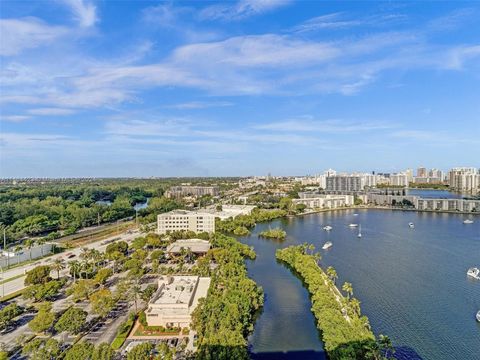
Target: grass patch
[[155, 331], [12, 295], [122, 333]]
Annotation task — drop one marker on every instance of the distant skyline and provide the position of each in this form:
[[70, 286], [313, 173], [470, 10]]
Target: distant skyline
[[148, 88]]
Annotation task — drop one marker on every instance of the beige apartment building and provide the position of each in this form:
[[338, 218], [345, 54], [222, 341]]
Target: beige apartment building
[[175, 300], [314, 201], [185, 220], [189, 190]]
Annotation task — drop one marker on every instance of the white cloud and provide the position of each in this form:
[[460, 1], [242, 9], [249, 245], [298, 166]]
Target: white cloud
[[14, 118], [329, 21], [199, 105], [241, 9], [84, 11], [51, 111], [326, 126], [26, 33]]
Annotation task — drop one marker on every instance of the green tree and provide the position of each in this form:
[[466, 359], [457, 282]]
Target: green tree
[[80, 351], [44, 319], [75, 268], [29, 243], [142, 351], [71, 321], [58, 265], [102, 275], [347, 287], [102, 302], [38, 275], [386, 346], [82, 289], [8, 313], [148, 292], [332, 274], [41, 349], [42, 292], [103, 352]]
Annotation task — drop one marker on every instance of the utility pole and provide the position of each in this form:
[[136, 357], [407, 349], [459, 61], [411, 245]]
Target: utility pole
[[5, 247]]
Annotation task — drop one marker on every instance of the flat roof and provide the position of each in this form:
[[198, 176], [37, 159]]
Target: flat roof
[[179, 291], [195, 245]]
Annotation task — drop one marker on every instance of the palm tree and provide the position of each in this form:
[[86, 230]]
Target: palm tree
[[355, 305], [29, 244], [347, 287], [57, 266], [18, 248], [386, 346], [332, 273], [74, 267], [40, 242]]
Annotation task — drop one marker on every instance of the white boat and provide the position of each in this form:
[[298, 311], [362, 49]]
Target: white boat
[[353, 225], [477, 316], [474, 273], [327, 228], [412, 225], [468, 221], [360, 231], [327, 245], [355, 214]]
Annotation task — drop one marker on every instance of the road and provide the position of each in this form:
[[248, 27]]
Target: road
[[18, 284]]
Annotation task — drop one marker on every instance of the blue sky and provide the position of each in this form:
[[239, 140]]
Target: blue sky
[[119, 88]]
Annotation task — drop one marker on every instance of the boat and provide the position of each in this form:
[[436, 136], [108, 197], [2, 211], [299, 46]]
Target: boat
[[327, 245], [353, 225], [355, 214], [327, 228], [468, 221], [477, 316], [474, 273], [412, 225], [360, 231]]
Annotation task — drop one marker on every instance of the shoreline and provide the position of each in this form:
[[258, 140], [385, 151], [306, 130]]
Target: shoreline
[[373, 207]]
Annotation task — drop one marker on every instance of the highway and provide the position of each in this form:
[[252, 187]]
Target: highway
[[17, 284]]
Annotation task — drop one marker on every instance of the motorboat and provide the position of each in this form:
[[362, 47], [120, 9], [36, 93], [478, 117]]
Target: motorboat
[[474, 273], [359, 231], [412, 225], [477, 316], [327, 228], [353, 225], [468, 221], [327, 245], [355, 214]]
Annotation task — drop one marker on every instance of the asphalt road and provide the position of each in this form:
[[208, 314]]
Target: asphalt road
[[18, 284]]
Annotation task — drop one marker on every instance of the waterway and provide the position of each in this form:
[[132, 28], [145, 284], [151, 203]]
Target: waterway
[[412, 283], [435, 194]]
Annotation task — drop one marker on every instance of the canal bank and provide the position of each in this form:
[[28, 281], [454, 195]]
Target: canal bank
[[411, 283]]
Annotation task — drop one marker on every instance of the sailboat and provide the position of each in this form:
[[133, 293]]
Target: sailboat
[[360, 231]]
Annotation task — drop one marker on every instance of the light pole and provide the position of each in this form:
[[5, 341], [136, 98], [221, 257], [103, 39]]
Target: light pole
[[3, 282]]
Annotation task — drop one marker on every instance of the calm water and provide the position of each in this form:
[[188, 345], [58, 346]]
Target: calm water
[[434, 194], [411, 282]]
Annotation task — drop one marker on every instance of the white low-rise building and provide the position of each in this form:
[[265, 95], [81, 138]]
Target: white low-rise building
[[315, 201], [196, 246], [185, 220], [175, 300]]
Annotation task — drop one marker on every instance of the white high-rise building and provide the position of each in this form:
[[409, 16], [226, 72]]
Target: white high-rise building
[[400, 179], [464, 179]]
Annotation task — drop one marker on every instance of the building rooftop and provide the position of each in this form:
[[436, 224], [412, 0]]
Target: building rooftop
[[195, 245], [184, 212], [177, 290]]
